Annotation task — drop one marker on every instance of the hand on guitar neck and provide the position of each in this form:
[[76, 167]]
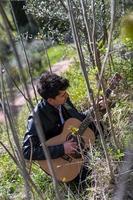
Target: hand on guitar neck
[[100, 104]]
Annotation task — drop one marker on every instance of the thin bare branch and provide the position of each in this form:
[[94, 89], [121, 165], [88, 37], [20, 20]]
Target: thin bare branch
[[90, 92], [24, 50]]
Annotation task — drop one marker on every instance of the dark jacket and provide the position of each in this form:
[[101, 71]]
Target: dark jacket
[[51, 125]]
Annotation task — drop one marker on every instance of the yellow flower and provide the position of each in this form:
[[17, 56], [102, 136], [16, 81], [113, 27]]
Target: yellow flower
[[74, 130]]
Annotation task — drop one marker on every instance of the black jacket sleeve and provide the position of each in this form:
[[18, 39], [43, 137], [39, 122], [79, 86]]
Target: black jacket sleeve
[[32, 146]]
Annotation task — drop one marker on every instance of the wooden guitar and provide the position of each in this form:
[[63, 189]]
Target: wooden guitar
[[67, 167]]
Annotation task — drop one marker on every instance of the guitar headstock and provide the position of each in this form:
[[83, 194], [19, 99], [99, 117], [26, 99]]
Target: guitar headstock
[[114, 81]]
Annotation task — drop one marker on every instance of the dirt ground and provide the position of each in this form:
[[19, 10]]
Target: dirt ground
[[19, 101]]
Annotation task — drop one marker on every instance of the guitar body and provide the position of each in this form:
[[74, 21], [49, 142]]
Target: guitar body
[[67, 169]]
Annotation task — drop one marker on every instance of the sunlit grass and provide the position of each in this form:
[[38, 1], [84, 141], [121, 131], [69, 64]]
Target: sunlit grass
[[57, 53]]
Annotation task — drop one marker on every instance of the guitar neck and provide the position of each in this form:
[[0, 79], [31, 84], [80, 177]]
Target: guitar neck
[[84, 123], [108, 92], [113, 83]]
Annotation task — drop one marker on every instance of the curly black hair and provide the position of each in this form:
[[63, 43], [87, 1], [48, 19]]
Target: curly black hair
[[50, 84]]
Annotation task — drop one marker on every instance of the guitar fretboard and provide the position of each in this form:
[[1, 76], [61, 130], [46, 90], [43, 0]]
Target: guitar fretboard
[[84, 123], [114, 81]]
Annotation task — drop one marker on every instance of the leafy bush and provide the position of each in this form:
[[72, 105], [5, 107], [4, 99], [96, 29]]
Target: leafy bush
[[123, 62]]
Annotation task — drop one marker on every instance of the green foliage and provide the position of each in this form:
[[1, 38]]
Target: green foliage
[[22, 120], [3, 34], [78, 89], [10, 178], [127, 27], [55, 54], [78, 95], [11, 181], [52, 19], [123, 64], [128, 73], [117, 154], [43, 181], [120, 117], [60, 52], [2, 131], [14, 75]]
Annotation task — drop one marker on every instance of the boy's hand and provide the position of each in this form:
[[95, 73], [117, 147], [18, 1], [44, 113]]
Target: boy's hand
[[101, 104], [70, 146]]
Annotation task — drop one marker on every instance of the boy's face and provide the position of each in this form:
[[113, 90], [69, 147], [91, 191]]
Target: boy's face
[[60, 99]]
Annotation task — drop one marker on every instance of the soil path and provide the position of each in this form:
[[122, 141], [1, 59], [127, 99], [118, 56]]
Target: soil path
[[58, 68]]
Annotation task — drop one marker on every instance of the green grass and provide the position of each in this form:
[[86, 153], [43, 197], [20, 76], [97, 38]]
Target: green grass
[[11, 181], [57, 53], [10, 177], [78, 88]]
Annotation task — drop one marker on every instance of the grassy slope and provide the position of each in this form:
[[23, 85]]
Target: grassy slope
[[12, 184]]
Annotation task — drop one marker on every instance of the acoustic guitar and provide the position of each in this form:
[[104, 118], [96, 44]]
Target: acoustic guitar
[[67, 167]]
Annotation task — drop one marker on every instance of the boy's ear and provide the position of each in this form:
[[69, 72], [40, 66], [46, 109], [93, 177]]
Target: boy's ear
[[50, 100]]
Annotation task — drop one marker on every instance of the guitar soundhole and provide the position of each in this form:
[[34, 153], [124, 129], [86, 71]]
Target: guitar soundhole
[[81, 144]]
